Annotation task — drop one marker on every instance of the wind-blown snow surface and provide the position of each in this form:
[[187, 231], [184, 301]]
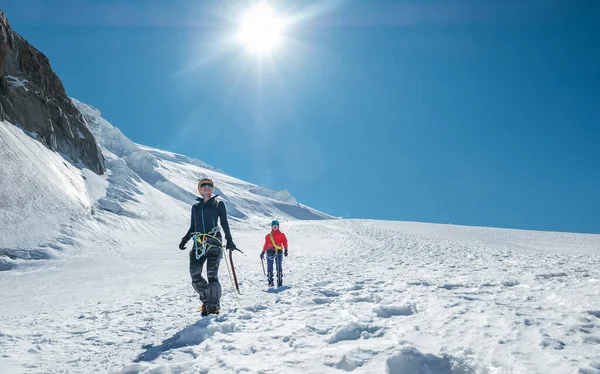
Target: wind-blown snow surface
[[365, 296], [113, 294]]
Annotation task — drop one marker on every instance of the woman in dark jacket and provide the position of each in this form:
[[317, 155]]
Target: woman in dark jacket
[[204, 228]]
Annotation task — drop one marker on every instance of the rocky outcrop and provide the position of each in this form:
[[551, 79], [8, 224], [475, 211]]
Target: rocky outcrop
[[33, 97]]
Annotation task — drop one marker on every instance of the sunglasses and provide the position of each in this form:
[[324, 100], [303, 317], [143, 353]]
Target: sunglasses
[[206, 185]]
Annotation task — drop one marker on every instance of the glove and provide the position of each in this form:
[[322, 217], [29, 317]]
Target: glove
[[230, 245], [262, 255], [182, 244], [285, 252]]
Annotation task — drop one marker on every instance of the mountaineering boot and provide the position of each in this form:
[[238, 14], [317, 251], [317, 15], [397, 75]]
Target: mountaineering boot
[[270, 278], [212, 310], [204, 311]]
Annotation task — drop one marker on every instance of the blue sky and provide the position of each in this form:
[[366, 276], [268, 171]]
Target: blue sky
[[464, 112]]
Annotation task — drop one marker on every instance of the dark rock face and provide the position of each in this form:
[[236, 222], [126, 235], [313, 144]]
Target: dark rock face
[[33, 97]]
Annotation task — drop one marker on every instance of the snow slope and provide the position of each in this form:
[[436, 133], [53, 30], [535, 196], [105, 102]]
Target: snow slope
[[365, 296], [42, 196]]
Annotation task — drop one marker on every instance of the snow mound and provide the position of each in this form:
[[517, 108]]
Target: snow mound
[[411, 360]]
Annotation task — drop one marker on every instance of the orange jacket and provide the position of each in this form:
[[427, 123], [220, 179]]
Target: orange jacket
[[279, 238]]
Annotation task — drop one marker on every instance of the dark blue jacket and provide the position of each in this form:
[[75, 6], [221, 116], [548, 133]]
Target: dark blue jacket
[[206, 216]]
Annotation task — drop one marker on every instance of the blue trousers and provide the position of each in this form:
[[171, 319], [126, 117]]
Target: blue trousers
[[277, 258]]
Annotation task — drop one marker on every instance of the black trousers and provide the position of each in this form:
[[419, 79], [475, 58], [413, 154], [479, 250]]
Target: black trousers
[[209, 289]]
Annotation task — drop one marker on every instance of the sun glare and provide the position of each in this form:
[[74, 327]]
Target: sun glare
[[261, 29]]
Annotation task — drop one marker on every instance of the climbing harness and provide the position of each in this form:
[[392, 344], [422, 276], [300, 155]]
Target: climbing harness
[[201, 244]]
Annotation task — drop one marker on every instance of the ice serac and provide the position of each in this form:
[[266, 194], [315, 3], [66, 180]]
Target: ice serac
[[33, 97]]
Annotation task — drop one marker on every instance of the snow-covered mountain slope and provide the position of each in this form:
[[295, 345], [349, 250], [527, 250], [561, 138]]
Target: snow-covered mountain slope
[[42, 197], [175, 175], [361, 296], [49, 205]]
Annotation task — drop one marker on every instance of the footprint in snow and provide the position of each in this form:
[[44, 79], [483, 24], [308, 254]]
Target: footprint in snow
[[419, 283], [551, 275], [361, 299], [352, 360], [591, 340], [595, 369], [320, 331], [387, 311], [451, 286], [329, 293], [355, 331], [356, 287], [321, 300], [595, 313], [548, 342]]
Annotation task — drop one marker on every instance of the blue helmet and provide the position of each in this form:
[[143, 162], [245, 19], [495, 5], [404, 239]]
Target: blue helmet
[[275, 222]]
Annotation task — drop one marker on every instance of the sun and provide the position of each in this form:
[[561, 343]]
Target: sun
[[261, 29]]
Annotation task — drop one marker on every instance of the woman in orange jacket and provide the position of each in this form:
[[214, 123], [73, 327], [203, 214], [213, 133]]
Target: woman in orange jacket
[[276, 246]]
